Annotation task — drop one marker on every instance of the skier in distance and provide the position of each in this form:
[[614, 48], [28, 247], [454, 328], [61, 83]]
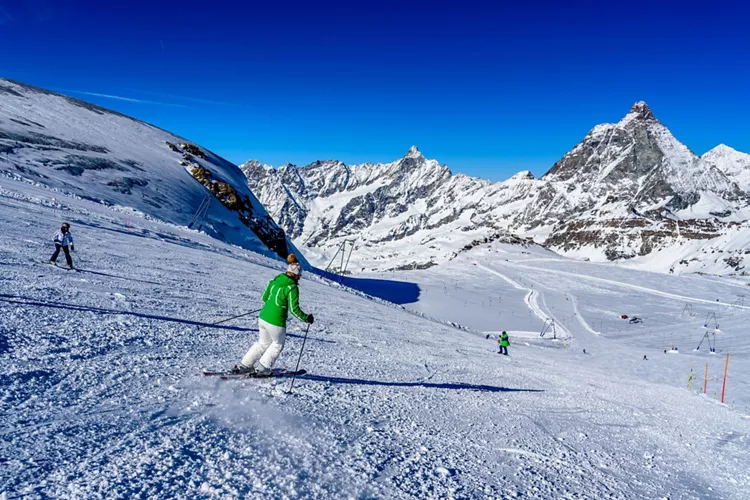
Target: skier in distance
[[63, 239], [503, 343], [281, 296]]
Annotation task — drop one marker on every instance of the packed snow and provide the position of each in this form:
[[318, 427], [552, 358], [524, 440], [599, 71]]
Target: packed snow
[[102, 395]]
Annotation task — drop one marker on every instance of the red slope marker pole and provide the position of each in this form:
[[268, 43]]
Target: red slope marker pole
[[724, 387]]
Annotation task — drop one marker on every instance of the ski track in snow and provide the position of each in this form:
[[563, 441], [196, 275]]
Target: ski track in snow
[[102, 395], [531, 301], [580, 317], [639, 288]]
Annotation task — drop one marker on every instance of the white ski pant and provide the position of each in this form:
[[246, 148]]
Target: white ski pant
[[268, 347]]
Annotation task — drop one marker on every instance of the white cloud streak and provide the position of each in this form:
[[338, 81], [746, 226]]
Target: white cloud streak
[[5, 17], [123, 98], [189, 99]]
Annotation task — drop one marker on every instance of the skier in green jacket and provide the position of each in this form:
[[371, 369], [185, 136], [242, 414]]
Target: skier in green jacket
[[280, 297], [503, 343]]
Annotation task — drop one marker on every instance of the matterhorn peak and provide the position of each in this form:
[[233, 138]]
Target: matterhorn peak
[[639, 113], [413, 153], [642, 111]]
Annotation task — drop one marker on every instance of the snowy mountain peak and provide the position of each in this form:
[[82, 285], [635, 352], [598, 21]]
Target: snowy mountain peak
[[523, 175], [255, 164], [413, 153], [733, 163], [723, 150], [642, 111]]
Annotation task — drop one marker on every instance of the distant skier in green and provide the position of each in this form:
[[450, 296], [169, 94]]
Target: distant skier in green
[[503, 343], [281, 296]]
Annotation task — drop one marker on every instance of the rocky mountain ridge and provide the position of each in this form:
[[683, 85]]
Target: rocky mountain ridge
[[627, 192]]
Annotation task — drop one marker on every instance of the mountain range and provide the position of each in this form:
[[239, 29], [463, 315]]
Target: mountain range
[[628, 192]]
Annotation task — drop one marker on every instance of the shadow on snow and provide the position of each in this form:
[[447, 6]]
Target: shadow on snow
[[30, 301], [398, 292], [98, 273], [452, 386], [145, 233]]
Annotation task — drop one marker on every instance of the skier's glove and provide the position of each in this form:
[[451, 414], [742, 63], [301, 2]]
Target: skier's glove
[[72, 248], [310, 319]]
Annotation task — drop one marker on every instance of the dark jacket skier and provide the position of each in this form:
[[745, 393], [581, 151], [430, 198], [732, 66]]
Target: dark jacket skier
[[63, 239]]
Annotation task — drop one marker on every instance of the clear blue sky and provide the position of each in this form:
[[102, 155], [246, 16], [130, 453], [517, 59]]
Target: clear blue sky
[[487, 88]]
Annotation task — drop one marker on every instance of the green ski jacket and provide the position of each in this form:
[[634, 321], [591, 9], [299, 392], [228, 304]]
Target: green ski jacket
[[504, 340], [281, 295]]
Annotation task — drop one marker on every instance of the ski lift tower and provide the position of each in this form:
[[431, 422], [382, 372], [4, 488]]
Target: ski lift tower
[[711, 325], [341, 250], [549, 327], [740, 301]]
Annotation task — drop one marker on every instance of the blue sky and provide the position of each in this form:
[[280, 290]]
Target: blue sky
[[487, 88]]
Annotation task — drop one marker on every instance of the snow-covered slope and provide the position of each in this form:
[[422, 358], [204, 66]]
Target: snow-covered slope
[[619, 194], [75, 147], [101, 391]]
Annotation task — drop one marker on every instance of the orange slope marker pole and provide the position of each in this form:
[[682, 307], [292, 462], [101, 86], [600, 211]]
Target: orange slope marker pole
[[705, 381], [724, 387]]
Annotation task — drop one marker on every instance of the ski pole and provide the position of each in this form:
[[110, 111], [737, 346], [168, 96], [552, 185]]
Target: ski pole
[[291, 384], [228, 319], [78, 258]]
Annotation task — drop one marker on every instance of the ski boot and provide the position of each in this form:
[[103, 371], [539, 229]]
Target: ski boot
[[262, 371], [241, 369]]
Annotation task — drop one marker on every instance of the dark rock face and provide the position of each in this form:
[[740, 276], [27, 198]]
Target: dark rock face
[[262, 225], [683, 201], [126, 184]]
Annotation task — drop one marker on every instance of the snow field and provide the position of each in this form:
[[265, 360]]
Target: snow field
[[101, 392], [588, 300]]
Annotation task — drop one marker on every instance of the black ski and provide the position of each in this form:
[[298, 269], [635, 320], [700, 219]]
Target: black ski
[[233, 371], [73, 269], [274, 374], [232, 374]]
